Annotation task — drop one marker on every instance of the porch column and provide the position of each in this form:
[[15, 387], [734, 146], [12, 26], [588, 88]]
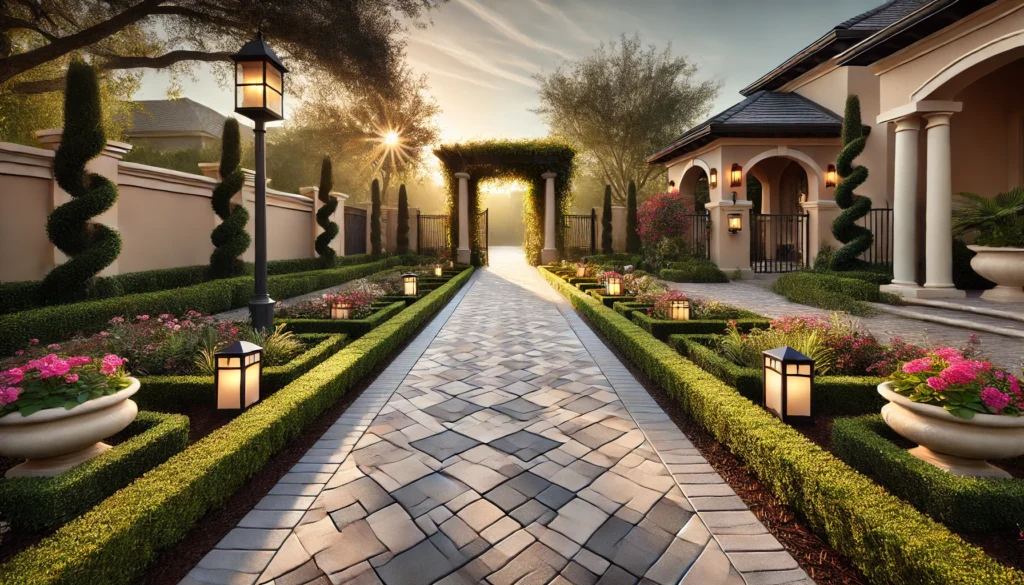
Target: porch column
[[549, 253], [463, 256], [904, 205], [939, 211]]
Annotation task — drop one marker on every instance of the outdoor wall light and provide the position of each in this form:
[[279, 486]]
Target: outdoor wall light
[[410, 284], [341, 309], [438, 270], [736, 175], [236, 375], [679, 310], [735, 222], [613, 286], [788, 382], [259, 82], [830, 176], [713, 179]]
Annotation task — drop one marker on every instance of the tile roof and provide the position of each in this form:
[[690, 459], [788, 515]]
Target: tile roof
[[882, 16], [180, 115]]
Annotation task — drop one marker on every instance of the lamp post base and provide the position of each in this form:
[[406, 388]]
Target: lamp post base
[[261, 311]]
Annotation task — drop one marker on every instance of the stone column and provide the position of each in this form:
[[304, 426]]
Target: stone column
[[939, 209], [550, 252], [730, 251], [904, 205], [463, 256]]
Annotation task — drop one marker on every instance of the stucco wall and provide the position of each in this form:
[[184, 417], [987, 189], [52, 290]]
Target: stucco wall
[[24, 248]]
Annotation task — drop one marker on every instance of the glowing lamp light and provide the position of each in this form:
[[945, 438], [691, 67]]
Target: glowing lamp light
[[679, 310], [613, 286], [581, 270], [438, 270], [236, 375], [735, 222], [831, 178], [713, 179], [409, 281], [788, 383], [341, 309], [736, 175], [259, 82]]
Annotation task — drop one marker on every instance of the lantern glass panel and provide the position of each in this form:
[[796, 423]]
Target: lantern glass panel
[[798, 396], [249, 73], [229, 388], [736, 176], [614, 286], [735, 222], [274, 102], [274, 79], [581, 271], [680, 311], [410, 285], [713, 180], [772, 387], [341, 310], [438, 270], [252, 381]]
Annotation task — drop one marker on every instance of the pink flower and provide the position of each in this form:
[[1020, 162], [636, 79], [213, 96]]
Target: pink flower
[[917, 366], [949, 354], [166, 316], [994, 399], [20, 352], [13, 376], [53, 347], [142, 317], [117, 320], [9, 395], [71, 378], [33, 341], [54, 369], [960, 373], [937, 384], [110, 364], [80, 360]]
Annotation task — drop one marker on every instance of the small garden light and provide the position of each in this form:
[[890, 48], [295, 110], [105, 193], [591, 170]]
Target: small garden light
[[735, 222], [341, 308], [788, 383], [713, 179], [613, 285], [736, 175], [236, 376], [830, 176], [410, 283], [679, 310], [581, 270], [438, 270]]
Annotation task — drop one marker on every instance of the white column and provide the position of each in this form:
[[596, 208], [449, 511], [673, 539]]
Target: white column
[[904, 205], [549, 253], [939, 211], [463, 256]]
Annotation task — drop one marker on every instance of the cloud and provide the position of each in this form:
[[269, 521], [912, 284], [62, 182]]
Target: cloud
[[475, 60], [576, 29], [510, 31], [426, 67]]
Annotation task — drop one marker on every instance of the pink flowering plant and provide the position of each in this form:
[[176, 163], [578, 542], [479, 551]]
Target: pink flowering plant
[[53, 381], [699, 308], [361, 303], [664, 216], [964, 387]]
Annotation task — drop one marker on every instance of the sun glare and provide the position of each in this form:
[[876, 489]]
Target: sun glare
[[391, 138]]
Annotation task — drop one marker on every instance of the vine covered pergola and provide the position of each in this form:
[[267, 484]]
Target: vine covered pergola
[[545, 166]]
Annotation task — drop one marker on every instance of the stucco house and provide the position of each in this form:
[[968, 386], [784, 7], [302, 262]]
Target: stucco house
[[939, 84], [177, 125]]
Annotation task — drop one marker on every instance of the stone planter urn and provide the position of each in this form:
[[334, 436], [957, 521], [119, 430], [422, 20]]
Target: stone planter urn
[[957, 445], [1003, 266], [56, 439]]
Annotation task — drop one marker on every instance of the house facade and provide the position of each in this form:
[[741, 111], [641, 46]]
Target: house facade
[[938, 83], [177, 124]]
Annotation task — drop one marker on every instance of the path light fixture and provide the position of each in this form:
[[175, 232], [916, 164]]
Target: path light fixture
[[713, 179], [259, 96], [613, 285], [679, 310], [237, 371], [831, 178], [438, 271], [788, 384], [341, 308], [409, 281], [581, 270], [735, 222], [736, 175]]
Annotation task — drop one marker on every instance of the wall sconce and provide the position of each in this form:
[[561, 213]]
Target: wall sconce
[[237, 372], [735, 222], [438, 271], [613, 286], [831, 178], [679, 310], [410, 284], [671, 185], [788, 382], [736, 175], [341, 309], [713, 179]]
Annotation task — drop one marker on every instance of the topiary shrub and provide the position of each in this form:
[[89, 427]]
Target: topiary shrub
[[323, 215], [90, 246], [856, 239], [375, 242], [403, 221], [632, 229], [606, 222], [230, 240]]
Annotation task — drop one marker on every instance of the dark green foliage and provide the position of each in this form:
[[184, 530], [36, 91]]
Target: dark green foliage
[[964, 277], [887, 539], [353, 327], [606, 222], [90, 246], [693, 270], [403, 221], [662, 328], [376, 247], [872, 277], [598, 293], [616, 258], [632, 233], [230, 240], [323, 215], [113, 543], [827, 291], [969, 504], [35, 504], [856, 239]]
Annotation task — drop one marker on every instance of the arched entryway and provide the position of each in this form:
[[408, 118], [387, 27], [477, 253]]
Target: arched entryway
[[777, 185]]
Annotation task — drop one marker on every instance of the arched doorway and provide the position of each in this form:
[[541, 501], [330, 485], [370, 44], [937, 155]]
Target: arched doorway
[[779, 239]]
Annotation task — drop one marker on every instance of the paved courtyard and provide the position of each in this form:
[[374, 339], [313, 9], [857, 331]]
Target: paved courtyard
[[505, 445]]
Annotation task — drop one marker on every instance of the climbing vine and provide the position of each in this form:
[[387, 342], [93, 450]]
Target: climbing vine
[[323, 215], [230, 240], [90, 246], [856, 239]]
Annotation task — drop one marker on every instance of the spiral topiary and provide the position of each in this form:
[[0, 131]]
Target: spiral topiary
[[375, 242], [323, 215], [230, 240], [856, 239], [632, 232], [403, 221], [90, 246], [606, 221]]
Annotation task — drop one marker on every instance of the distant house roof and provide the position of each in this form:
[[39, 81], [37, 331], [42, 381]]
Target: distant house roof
[[842, 37], [765, 114], [180, 116]]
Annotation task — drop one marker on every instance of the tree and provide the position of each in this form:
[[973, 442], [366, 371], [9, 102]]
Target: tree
[[606, 221], [403, 221], [323, 215], [230, 240], [620, 105], [375, 240], [856, 239], [632, 235], [90, 247]]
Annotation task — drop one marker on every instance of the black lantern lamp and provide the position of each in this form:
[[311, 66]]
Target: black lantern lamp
[[735, 222], [341, 309], [679, 310], [613, 286], [236, 376], [410, 284], [259, 82], [736, 175], [788, 384], [831, 177], [713, 179]]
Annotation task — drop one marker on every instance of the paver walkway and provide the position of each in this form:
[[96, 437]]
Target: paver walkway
[[506, 445]]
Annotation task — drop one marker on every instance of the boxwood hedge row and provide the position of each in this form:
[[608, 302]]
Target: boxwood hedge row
[[352, 327]]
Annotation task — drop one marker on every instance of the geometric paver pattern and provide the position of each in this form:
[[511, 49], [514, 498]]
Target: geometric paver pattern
[[507, 446]]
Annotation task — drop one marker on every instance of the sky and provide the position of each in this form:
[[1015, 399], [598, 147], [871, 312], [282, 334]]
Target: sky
[[480, 56]]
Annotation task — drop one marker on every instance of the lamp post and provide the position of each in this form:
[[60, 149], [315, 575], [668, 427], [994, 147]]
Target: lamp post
[[259, 96]]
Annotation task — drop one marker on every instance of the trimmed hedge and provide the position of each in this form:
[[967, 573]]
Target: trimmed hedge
[[609, 300], [830, 292], [50, 324], [43, 503], [172, 393], [887, 539], [662, 328], [966, 504], [627, 309], [867, 276], [695, 270], [115, 541], [353, 327]]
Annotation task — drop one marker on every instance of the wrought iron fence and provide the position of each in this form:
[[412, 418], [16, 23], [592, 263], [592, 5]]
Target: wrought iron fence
[[779, 242], [698, 234], [431, 234], [580, 235], [879, 221], [355, 230]]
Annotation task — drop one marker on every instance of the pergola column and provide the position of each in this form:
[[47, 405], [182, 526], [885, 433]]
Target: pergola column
[[939, 211], [904, 205], [463, 256], [550, 252]]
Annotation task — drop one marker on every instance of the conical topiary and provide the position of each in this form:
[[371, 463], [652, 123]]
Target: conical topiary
[[323, 215], [856, 239], [230, 240], [403, 221], [606, 221], [375, 242], [632, 234]]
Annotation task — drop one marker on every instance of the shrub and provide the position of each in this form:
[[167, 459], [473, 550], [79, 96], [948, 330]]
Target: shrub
[[323, 215], [376, 247], [664, 216], [662, 328], [632, 230], [606, 222], [403, 221], [856, 238], [830, 292], [230, 240], [693, 270], [353, 327]]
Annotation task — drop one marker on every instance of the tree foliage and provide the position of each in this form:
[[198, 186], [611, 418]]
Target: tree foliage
[[621, 104], [606, 222], [632, 233], [230, 240], [403, 221], [375, 233], [323, 215], [856, 239]]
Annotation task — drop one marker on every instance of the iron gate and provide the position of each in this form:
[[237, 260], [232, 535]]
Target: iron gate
[[698, 234], [779, 242], [431, 234], [483, 236], [879, 221], [580, 235], [355, 230]]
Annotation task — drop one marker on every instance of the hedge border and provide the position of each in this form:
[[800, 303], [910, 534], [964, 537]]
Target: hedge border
[[115, 541], [627, 309], [887, 539], [966, 504], [38, 503], [832, 292], [353, 327], [663, 328], [610, 300]]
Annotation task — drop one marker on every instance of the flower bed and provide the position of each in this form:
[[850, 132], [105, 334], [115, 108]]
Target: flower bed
[[378, 314]]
